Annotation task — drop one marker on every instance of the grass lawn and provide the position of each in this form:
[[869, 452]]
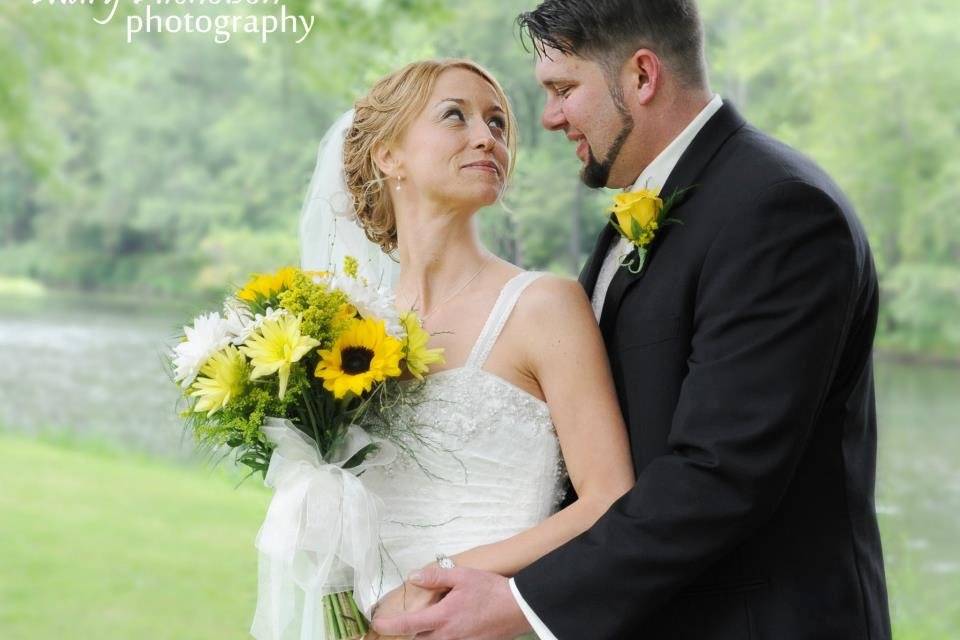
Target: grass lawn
[[108, 546], [101, 545]]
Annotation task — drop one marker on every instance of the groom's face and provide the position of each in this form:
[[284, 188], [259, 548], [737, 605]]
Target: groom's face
[[582, 103]]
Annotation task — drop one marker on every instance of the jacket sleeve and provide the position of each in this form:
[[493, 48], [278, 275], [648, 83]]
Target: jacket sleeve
[[772, 309]]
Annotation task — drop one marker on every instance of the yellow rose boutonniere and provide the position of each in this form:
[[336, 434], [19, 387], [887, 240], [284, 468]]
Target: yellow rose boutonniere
[[637, 215]]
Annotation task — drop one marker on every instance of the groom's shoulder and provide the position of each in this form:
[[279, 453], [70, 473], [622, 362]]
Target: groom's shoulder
[[762, 179], [757, 181], [754, 178], [754, 162]]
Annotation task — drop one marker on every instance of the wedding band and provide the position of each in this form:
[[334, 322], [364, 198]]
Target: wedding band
[[444, 561]]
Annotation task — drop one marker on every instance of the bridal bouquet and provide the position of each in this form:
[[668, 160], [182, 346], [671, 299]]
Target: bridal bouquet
[[295, 376]]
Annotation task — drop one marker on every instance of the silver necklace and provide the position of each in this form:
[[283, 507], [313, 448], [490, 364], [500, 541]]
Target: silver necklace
[[459, 289]]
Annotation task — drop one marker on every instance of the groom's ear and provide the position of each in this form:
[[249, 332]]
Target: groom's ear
[[643, 75]]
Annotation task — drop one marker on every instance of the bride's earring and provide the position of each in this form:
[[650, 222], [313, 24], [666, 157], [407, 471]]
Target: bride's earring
[[399, 182]]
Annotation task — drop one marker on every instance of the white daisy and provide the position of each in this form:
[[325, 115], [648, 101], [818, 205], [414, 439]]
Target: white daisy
[[371, 303], [238, 319], [241, 322], [207, 336]]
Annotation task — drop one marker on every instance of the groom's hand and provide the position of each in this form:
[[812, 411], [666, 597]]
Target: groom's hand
[[406, 597], [479, 606]]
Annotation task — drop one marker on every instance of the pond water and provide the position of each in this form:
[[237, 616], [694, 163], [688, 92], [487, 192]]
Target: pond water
[[93, 368]]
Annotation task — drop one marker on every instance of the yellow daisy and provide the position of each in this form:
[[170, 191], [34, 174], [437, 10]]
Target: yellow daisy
[[267, 285], [418, 357], [221, 379], [276, 346], [362, 355]]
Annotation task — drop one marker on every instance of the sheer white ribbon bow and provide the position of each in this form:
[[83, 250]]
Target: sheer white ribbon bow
[[321, 526]]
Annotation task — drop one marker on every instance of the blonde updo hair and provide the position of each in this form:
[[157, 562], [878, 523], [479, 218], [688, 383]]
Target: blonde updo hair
[[381, 118]]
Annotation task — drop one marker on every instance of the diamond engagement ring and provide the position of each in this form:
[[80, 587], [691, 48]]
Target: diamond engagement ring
[[444, 561]]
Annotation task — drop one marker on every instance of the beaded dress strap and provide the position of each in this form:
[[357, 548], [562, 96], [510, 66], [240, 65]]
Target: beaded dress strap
[[499, 315]]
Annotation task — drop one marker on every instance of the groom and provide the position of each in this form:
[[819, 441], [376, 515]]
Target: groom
[[741, 352]]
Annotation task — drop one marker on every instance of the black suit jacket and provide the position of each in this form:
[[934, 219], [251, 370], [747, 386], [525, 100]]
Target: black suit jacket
[[742, 358]]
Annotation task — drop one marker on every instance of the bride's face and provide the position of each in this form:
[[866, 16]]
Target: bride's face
[[455, 153]]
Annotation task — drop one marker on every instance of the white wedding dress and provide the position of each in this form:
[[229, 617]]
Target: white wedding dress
[[493, 467], [481, 464]]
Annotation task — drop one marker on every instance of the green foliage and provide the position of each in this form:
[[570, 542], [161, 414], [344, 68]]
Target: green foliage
[[136, 168], [238, 424], [240, 421], [866, 89], [228, 256], [921, 315]]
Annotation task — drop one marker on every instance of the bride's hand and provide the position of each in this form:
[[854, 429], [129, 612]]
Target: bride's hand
[[406, 598]]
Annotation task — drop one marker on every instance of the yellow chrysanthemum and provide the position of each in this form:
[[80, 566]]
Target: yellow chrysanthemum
[[362, 355], [276, 346], [221, 379], [418, 357], [267, 285], [638, 215]]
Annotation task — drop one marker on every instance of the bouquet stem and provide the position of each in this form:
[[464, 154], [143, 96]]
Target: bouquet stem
[[328, 617], [343, 617]]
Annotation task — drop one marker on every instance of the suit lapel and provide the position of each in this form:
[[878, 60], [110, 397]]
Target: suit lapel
[[691, 165]]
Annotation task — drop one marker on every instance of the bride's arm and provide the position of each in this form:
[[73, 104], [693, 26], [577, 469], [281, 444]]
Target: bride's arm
[[554, 332]]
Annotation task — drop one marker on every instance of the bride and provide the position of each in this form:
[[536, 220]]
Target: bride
[[525, 396]]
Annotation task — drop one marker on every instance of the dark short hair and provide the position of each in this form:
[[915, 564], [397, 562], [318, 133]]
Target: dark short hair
[[609, 31]]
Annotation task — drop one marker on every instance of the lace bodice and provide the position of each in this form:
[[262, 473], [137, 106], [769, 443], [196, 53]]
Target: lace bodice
[[485, 464]]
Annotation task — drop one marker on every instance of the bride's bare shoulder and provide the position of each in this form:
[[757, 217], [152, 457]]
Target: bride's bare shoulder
[[554, 326], [553, 288], [550, 296]]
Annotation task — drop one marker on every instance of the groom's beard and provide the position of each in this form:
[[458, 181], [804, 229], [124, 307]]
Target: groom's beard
[[595, 174]]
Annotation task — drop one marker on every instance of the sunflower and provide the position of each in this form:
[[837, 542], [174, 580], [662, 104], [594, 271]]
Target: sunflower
[[276, 346], [418, 357], [266, 286], [221, 379], [362, 355]]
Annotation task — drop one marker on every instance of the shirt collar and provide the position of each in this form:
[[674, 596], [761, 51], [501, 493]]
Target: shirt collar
[[657, 172]]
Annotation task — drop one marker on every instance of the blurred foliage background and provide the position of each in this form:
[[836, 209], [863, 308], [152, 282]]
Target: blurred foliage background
[[173, 165], [137, 181]]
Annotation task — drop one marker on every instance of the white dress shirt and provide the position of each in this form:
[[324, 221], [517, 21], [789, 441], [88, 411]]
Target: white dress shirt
[[653, 177]]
